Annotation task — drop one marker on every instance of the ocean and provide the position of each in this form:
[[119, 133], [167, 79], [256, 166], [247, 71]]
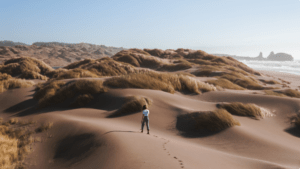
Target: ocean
[[292, 67]]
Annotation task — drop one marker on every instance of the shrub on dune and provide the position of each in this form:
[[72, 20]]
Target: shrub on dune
[[32, 75], [269, 81], [4, 76], [15, 83], [72, 73], [57, 91], [296, 120], [175, 67], [132, 104], [138, 58], [271, 92], [224, 83], [15, 139], [216, 120], [242, 80], [27, 67], [240, 109], [103, 67], [160, 81], [82, 100], [291, 93]]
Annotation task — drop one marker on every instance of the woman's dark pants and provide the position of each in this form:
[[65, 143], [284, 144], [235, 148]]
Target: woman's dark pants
[[146, 119]]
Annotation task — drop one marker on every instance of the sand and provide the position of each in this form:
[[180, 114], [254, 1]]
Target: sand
[[86, 138]]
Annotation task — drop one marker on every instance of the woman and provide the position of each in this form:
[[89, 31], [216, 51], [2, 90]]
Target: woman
[[145, 118]]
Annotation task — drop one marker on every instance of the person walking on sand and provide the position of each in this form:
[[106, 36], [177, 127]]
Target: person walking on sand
[[145, 118]]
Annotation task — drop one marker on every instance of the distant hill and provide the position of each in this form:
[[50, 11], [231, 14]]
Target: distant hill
[[55, 53], [11, 43]]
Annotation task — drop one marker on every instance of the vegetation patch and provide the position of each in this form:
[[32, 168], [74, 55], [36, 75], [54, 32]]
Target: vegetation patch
[[26, 67], [291, 93], [59, 74], [15, 140], [224, 83], [269, 81], [296, 120], [57, 91], [14, 83], [216, 120], [242, 80], [240, 109], [167, 82], [131, 105], [273, 93], [82, 100], [103, 67]]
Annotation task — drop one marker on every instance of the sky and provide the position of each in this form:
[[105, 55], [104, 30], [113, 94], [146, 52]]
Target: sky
[[238, 27]]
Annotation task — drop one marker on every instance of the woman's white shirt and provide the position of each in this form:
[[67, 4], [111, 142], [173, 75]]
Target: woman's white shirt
[[146, 112]]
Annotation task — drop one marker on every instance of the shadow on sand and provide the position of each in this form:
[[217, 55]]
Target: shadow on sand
[[75, 148], [295, 131]]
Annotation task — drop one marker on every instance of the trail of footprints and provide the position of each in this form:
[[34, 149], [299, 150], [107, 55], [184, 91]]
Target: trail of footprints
[[164, 147]]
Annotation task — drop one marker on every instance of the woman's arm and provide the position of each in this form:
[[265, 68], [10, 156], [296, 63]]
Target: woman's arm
[[142, 118]]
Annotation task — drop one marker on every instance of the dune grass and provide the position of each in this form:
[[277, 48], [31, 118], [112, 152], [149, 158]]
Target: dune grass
[[56, 92], [44, 127], [291, 93], [175, 67], [216, 120], [26, 67], [296, 120], [269, 81], [224, 83], [132, 104], [138, 58], [14, 83], [273, 93], [15, 140], [242, 80], [167, 82], [59, 74], [82, 100], [240, 109], [102, 67]]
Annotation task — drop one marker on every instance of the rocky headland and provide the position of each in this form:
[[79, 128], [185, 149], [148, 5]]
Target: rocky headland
[[272, 57]]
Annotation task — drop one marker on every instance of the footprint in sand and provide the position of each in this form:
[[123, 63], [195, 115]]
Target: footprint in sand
[[167, 141]]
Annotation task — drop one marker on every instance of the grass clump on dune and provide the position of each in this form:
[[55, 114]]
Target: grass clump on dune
[[15, 139], [72, 73], [216, 120], [273, 93], [15, 83], [296, 120], [240, 109], [138, 58], [284, 93], [26, 67], [132, 104], [291, 93], [224, 83], [243, 81], [269, 81], [103, 67], [82, 100], [57, 91], [167, 82]]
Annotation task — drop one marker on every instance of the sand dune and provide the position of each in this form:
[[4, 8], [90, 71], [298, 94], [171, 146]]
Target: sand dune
[[88, 137]]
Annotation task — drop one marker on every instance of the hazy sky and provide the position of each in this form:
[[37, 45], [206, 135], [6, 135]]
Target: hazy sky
[[241, 27]]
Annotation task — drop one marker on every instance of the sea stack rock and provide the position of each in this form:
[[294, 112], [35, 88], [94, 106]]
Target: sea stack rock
[[280, 57], [260, 56]]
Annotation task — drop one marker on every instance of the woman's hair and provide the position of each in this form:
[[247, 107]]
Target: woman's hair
[[144, 107]]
